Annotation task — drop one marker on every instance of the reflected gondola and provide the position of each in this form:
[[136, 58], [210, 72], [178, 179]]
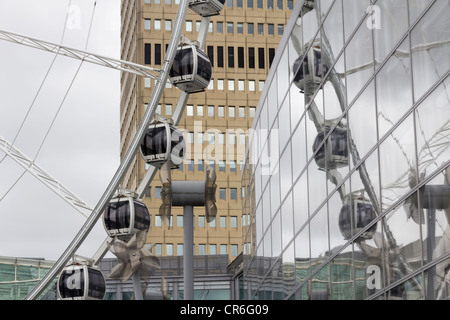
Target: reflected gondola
[[333, 153], [206, 8], [309, 70], [81, 282], [191, 69], [355, 215], [125, 215], [163, 142]]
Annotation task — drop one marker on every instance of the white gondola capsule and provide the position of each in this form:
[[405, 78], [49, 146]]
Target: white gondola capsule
[[334, 152], [161, 143], [81, 282], [191, 69], [125, 216], [309, 70], [206, 8], [355, 215]]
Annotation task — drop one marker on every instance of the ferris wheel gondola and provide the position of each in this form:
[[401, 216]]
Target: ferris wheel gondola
[[125, 215], [206, 8], [333, 153], [81, 282], [309, 69], [163, 142], [355, 215], [191, 69]]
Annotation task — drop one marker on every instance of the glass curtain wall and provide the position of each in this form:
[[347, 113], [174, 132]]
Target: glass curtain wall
[[347, 172]]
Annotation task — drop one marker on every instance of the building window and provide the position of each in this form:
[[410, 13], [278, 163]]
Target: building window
[[251, 58], [240, 27], [230, 57], [157, 24], [148, 53], [190, 110], [188, 26], [280, 4], [249, 3], [168, 25], [280, 29], [210, 53], [211, 138], [233, 222], [147, 24], [230, 3], [179, 249], [157, 53], [239, 3], [260, 28], [158, 221], [221, 111], [259, 4], [210, 111], [241, 112], [250, 28], [220, 56], [271, 56], [201, 221], [240, 57], [290, 4], [251, 85], [252, 111], [223, 249], [223, 221], [147, 82], [231, 112], [158, 192], [231, 84], [201, 165], [169, 249], [234, 250], [233, 191], [221, 138], [241, 85], [222, 194], [200, 111], [212, 249], [232, 169], [261, 58], [219, 84], [261, 85], [269, 4], [270, 28], [221, 166], [179, 221], [200, 137], [219, 27], [230, 27], [158, 249], [201, 250], [168, 109], [190, 165]]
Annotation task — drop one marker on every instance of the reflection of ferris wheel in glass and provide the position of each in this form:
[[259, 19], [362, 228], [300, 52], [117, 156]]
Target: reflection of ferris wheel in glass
[[124, 216]]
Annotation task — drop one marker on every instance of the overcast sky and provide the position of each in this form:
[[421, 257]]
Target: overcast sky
[[82, 148]]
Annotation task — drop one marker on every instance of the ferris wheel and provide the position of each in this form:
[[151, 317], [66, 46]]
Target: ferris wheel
[[125, 216]]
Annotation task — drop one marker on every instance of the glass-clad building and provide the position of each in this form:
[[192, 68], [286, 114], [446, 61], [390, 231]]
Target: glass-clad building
[[347, 172]]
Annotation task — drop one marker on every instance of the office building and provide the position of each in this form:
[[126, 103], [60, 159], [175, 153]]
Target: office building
[[347, 172]]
